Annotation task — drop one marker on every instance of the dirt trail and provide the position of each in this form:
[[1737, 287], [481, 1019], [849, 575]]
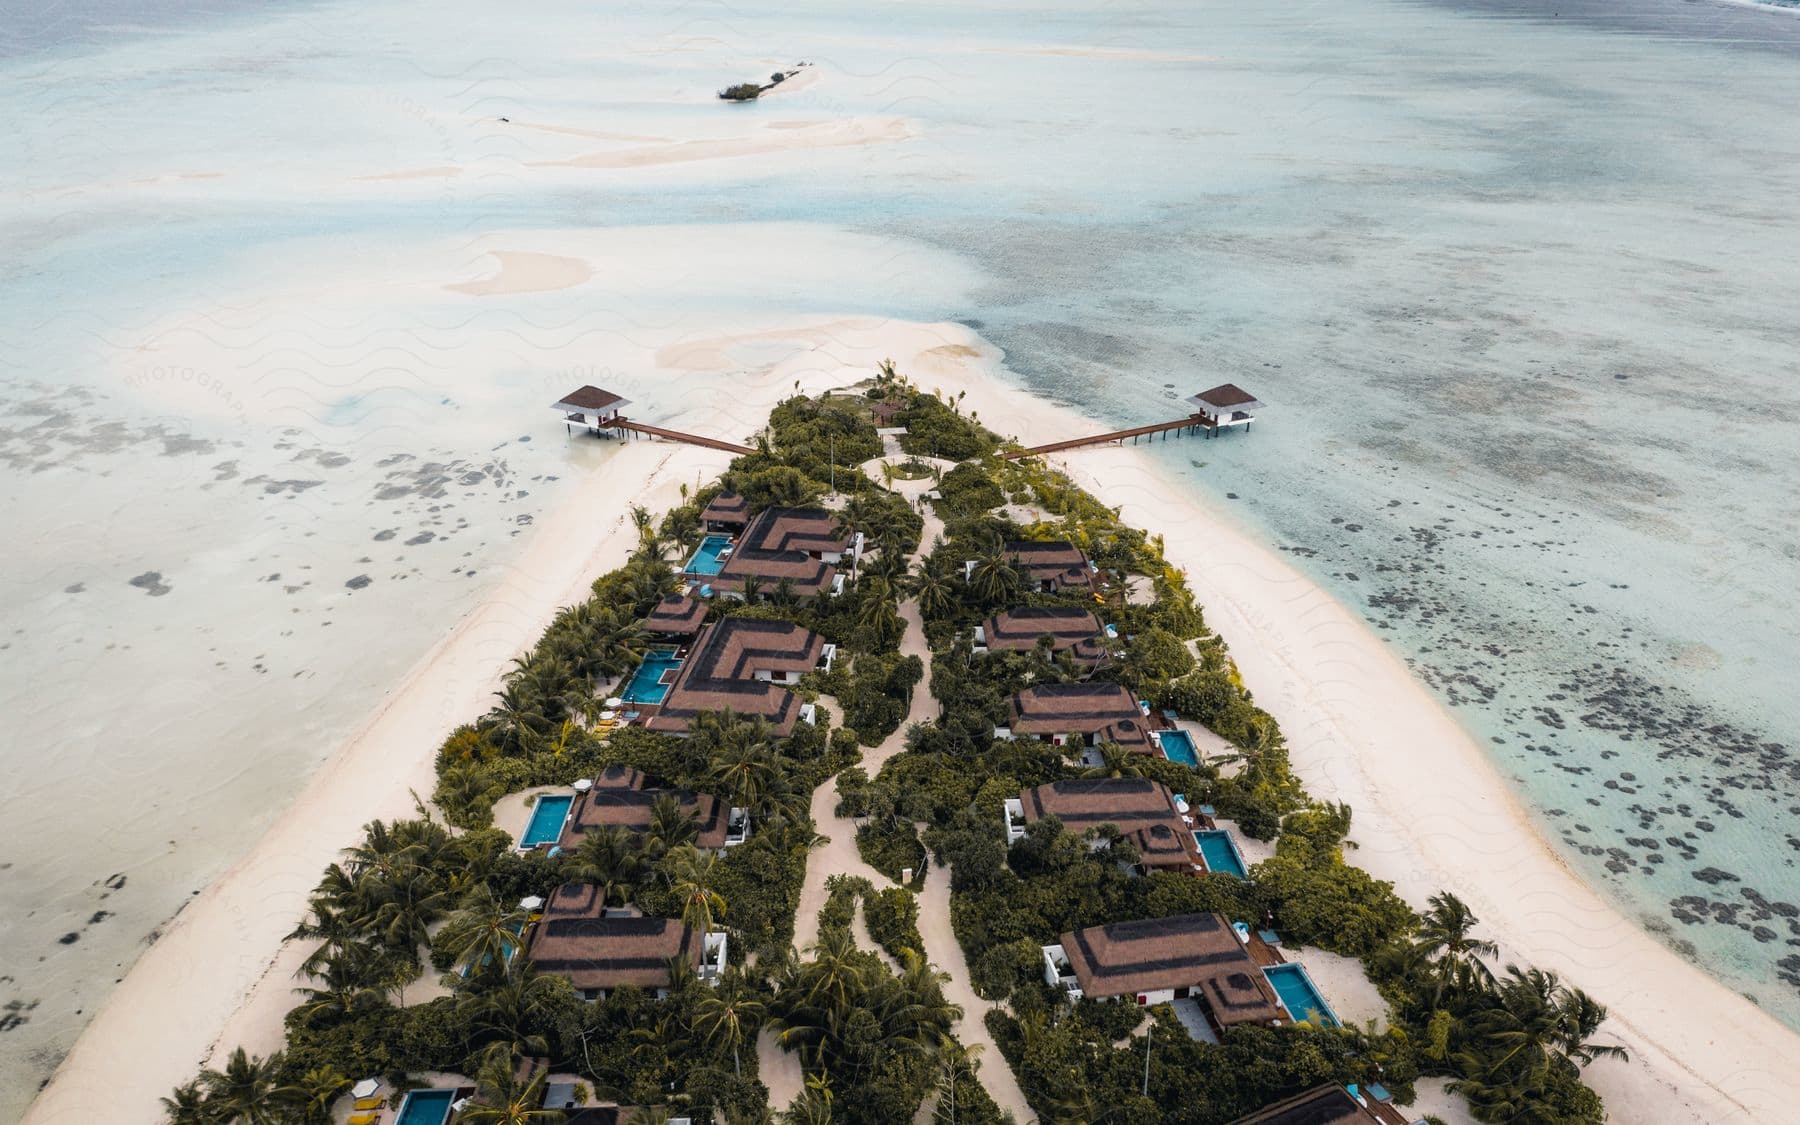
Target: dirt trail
[[839, 855]]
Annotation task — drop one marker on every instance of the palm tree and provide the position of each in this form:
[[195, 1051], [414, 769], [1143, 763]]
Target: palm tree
[[484, 934], [747, 771], [1444, 932], [503, 1098], [1538, 1027], [186, 1105], [1116, 761], [518, 717], [995, 579], [244, 1092], [608, 858], [311, 1096], [813, 1106], [671, 826], [935, 588], [751, 586], [514, 1011], [956, 1067], [729, 1014], [640, 518], [694, 877], [356, 977]]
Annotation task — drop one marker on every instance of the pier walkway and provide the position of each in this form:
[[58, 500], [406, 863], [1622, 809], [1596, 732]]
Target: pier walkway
[[1192, 421], [622, 423]]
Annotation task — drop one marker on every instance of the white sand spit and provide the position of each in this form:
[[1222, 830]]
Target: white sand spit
[[777, 136], [525, 272]]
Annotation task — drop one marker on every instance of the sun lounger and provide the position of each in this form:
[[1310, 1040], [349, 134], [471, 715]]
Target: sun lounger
[[364, 1118], [368, 1103]]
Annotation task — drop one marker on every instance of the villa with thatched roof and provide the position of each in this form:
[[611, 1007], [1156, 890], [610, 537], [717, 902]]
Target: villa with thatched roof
[[1072, 630], [676, 616], [619, 797], [1156, 960], [1051, 565], [1084, 803], [799, 546], [598, 950], [727, 512], [738, 665], [1092, 712], [1142, 809], [1330, 1104]]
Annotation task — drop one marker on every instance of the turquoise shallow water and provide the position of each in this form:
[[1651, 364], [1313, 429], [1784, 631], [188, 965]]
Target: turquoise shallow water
[[1517, 290]]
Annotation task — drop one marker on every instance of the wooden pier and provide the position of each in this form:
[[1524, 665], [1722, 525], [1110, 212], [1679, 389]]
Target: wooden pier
[[1217, 410], [620, 422], [1192, 422]]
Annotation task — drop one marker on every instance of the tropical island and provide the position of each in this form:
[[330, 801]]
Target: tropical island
[[890, 778], [750, 91]]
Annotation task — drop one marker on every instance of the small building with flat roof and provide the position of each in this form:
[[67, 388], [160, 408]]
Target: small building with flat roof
[[1091, 713], [590, 407], [620, 797], [1156, 960], [727, 512], [676, 616], [1072, 630], [598, 950]]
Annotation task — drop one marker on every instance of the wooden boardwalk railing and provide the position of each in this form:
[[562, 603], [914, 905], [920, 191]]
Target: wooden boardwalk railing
[[1113, 435], [677, 435]]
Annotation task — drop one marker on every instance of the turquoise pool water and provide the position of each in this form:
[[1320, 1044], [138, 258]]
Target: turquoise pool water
[[1220, 853], [1298, 995], [651, 681], [1177, 746], [547, 818], [425, 1107], [706, 559]]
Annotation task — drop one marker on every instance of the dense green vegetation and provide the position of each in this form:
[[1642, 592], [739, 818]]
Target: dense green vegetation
[[414, 938], [1008, 902]]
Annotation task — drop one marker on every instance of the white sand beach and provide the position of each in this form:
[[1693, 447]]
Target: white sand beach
[[1430, 811]]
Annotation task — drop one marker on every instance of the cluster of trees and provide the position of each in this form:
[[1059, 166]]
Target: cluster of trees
[[808, 446], [936, 428], [1007, 903], [874, 1041], [1514, 1044]]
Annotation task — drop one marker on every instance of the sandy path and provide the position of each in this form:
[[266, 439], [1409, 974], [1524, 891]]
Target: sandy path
[[220, 974], [943, 949], [840, 856], [779, 1070]]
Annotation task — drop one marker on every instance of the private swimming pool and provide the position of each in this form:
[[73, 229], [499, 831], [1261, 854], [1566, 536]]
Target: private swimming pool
[[1220, 852], [547, 818], [706, 559], [425, 1107], [1178, 746], [1299, 996], [652, 679]]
